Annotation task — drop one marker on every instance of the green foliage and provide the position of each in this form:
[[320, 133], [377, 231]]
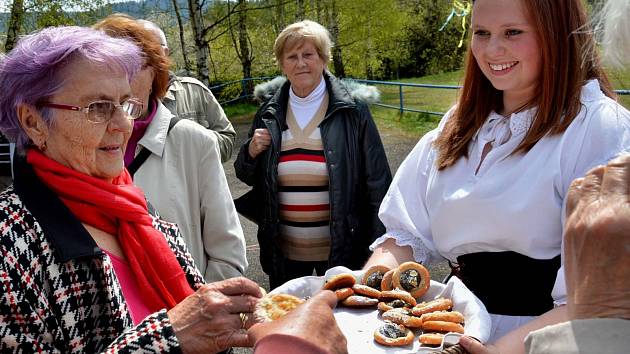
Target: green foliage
[[46, 13]]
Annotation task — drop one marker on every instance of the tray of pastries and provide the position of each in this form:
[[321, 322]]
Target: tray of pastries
[[397, 310]]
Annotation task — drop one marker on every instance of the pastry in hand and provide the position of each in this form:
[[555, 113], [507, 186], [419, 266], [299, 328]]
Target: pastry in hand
[[273, 306]]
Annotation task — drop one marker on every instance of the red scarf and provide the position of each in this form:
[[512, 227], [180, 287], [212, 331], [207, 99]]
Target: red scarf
[[119, 208]]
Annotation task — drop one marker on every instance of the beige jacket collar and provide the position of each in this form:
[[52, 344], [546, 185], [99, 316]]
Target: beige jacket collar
[[154, 138]]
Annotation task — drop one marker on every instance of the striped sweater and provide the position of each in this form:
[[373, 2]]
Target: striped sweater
[[303, 190]]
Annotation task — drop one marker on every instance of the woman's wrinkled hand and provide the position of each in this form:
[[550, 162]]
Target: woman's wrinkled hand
[[209, 321], [261, 140], [312, 321], [596, 246]]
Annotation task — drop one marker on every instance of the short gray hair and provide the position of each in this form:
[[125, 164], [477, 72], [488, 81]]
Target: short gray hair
[[156, 29], [297, 33]]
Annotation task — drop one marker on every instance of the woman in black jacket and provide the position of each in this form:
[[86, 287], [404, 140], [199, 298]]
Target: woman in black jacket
[[316, 162]]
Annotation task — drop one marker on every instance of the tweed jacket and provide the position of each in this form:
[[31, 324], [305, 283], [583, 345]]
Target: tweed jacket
[[58, 289]]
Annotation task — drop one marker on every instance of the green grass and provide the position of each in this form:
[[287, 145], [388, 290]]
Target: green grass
[[440, 100], [435, 100], [240, 112]]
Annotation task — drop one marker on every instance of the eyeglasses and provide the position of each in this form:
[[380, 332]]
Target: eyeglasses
[[103, 111]]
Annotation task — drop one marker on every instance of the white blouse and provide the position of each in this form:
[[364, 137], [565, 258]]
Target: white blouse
[[513, 202]]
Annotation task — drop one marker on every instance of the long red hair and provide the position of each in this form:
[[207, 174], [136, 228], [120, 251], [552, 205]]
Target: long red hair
[[566, 44]]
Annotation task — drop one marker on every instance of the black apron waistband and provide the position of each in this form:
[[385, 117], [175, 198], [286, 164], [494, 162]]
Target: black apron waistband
[[509, 283]]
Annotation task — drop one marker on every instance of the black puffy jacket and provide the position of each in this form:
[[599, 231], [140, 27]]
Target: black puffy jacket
[[359, 175]]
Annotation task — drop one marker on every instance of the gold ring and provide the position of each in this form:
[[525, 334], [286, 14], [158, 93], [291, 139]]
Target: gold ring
[[244, 317]]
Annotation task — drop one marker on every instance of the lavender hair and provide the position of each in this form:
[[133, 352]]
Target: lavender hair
[[34, 70]]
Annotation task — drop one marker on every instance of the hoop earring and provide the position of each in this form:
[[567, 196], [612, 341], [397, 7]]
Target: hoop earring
[[43, 146]]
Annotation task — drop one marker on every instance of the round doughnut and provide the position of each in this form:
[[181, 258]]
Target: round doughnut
[[366, 291], [412, 277], [343, 293], [374, 275], [397, 294], [344, 280], [359, 301], [442, 326], [402, 316], [439, 304], [386, 283], [273, 306], [393, 335], [431, 338], [448, 316]]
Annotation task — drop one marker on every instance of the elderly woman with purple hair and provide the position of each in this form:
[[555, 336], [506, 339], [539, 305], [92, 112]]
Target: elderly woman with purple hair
[[85, 267]]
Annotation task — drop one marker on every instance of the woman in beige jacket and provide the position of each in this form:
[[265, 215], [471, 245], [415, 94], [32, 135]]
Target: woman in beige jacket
[[182, 175]]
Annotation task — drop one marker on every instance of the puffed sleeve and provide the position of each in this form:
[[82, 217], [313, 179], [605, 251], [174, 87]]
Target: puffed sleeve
[[600, 132], [403, 210]]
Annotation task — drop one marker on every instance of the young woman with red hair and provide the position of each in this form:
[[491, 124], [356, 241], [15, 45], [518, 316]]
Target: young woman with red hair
[[486, 189]]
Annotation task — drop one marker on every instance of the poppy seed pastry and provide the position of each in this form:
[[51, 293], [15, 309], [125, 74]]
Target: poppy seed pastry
[[412, 277], [394, 335], [373, 276]]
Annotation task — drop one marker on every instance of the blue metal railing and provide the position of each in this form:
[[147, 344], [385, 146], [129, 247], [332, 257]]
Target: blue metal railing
[[244, 92], [401, 106]]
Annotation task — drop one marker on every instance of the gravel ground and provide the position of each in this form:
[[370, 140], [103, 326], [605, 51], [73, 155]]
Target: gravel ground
[[397, 146]]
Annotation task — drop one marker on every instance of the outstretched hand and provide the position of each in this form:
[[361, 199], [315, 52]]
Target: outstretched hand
[[312, 321], [596, 242]]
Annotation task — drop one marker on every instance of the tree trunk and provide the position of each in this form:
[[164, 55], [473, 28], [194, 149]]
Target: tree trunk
[[279, 16], [318, 8], [299, 12], [334, 33], [15, 24], [182, 42], [243, 41], [201, 46]]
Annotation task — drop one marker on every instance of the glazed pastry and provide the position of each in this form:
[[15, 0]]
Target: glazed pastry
[[402, 316], [374, 275], [448, 316], [344, 280], [366, 291], [442, 326], [273, 306], [343, 293], [412, 277], [386, 283], [431, 338], [439, 304], [359, 301], [392, 334]]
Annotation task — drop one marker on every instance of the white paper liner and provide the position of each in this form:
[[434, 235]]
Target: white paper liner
[[358, 325]]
